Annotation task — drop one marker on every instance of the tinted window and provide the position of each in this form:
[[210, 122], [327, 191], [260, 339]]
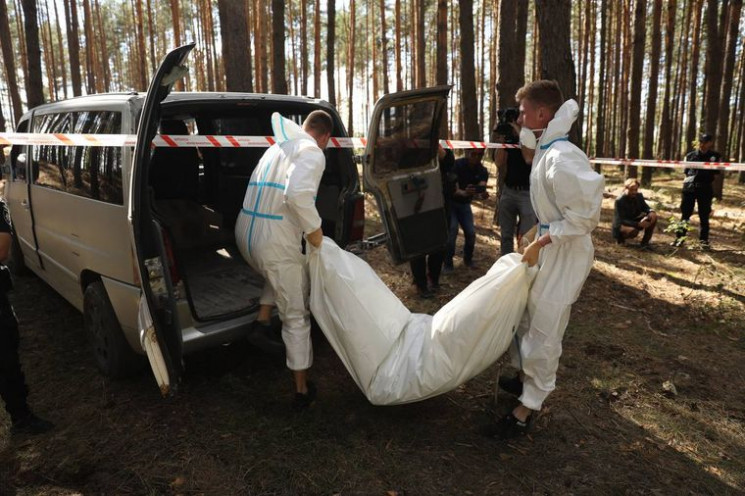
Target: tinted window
[[49, 161], [89, 171], [405, 139]]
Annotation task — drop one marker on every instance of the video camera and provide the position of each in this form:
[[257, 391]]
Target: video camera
[[506, 117]]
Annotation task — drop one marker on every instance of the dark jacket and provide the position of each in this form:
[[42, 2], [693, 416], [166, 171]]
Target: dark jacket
[[702, 176], [628, 212]]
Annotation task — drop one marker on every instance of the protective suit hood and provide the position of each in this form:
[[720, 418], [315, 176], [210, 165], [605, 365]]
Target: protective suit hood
[[286, 130], [561, 123]]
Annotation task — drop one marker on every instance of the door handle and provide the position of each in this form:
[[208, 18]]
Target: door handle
[[24, 203]]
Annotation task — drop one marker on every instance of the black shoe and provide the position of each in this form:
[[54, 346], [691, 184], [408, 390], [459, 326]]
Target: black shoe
[[262, 336], [646, 247], [31, 424], [512, 385], [508, 427], [303, 401], [425, 293]]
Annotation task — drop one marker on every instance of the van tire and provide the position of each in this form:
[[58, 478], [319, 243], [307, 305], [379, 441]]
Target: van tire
[[114, 357], [16, 263]]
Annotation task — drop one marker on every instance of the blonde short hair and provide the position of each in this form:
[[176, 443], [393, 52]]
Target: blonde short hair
[[630, 182]]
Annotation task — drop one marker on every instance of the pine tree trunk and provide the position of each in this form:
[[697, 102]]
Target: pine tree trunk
[[384, 46], [151, 36], [493, 47], [681, 82], [635, 99], [330, 50], [60, 44], [303, 47], [294, 52], [600, 122], [317, 69], [556, 54], [266, 35], [73, 45], [350, 66], [508, 73], [50, 60], [713, 69], [236, 54], [625, 80], [469, 108], [34, 85], [104, 52], [258, 47], [176, 21], [723, 145], [9, 63], [616, 89], [665, 143], [399, 79], [481, 79], [693, 82], [140, 32], [421, 74], [279, 83], [373, 41], [589, 142], [441, 64], [654, 73]]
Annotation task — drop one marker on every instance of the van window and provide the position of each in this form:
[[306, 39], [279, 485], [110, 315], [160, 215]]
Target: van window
[[49, 161], [88, 171], [408, 125]]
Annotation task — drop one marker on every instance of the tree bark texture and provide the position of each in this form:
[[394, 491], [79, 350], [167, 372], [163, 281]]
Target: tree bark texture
[[34, 85], [279, 82], [236, 50]]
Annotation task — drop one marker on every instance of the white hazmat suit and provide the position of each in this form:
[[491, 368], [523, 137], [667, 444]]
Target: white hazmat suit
[[278, 208], [566, 194]]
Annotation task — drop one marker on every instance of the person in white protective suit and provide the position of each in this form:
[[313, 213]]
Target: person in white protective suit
[[566, 194], [278, 208]]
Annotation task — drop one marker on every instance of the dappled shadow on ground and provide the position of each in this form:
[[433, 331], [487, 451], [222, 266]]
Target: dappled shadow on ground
[[608, 428]]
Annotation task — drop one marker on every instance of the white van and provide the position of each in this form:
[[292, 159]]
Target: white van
[[104, 226]]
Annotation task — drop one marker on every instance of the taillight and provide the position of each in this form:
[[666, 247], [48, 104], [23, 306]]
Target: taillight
[[172, 269], [358, 220]]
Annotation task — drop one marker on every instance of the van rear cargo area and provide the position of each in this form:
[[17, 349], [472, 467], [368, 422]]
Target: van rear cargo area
[[216, 279]]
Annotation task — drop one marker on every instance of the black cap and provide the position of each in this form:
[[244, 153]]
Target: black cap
[[705, 138]]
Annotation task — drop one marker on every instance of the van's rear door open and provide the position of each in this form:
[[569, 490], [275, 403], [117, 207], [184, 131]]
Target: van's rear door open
[[401, 170], [162, 339]]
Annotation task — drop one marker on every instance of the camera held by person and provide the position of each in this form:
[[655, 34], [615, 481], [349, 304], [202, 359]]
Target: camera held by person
[[506, 128]]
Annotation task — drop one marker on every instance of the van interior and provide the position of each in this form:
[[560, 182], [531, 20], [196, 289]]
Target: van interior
[[197, 193]]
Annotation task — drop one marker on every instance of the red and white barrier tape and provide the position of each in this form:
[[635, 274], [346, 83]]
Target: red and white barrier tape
[[671, 164], [203, 141], [210, 141]]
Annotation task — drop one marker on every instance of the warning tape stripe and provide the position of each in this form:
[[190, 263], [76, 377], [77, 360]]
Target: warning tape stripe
[[214, 141], [670, 164], [205, 141]]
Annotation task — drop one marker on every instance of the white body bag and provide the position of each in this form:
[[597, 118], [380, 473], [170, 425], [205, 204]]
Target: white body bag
[[398, 357]]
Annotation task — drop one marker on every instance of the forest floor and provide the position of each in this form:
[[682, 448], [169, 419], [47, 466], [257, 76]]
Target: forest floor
[[614, 425]]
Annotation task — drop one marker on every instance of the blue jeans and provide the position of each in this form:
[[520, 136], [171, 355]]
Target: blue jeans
[[514, 204], [461, 215]]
